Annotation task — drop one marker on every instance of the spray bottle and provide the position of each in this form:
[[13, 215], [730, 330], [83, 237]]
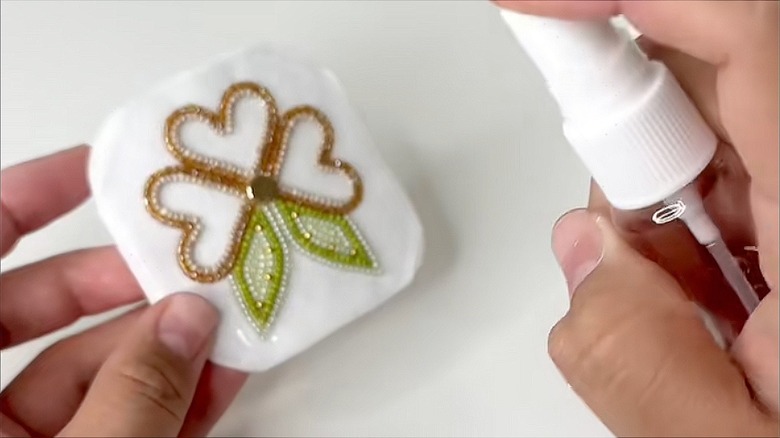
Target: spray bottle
[[678, 195]]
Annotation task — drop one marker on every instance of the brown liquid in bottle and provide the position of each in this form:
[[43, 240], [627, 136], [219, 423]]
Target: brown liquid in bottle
[[724, 186]]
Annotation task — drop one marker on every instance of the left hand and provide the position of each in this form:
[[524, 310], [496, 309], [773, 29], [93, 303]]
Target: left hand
[[144, 373]]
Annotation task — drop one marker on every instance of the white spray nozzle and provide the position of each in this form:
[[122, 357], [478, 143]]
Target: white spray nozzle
[[589, 66], [626, 117]]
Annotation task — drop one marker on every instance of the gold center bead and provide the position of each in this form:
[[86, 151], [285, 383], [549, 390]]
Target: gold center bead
[[263, 188]]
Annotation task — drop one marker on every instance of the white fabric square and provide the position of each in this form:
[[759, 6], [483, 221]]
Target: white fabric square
[[327, 235]]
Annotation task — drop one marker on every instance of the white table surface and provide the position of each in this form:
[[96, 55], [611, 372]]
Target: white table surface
[[458, 112]]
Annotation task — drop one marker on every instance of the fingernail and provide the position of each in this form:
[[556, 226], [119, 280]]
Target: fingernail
[[186, 323], [578, 246]]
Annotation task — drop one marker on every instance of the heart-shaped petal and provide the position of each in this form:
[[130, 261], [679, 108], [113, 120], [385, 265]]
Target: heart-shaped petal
[[221, 122], [289, 121], [190, 225]]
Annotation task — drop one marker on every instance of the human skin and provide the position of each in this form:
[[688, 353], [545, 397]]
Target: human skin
[[631, 345], [142, 374]]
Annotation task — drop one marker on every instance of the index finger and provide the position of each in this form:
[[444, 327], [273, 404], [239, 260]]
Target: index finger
[[36, 192]]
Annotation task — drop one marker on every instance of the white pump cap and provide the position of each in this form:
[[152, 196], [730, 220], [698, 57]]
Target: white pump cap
[[626, 116]]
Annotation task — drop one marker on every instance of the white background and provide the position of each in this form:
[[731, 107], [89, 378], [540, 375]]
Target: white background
[[460, 115]]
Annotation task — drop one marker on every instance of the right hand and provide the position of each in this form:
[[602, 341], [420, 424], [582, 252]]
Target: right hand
[[631, 345]]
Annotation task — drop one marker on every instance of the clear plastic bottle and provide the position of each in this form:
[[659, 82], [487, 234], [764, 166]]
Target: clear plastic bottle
[[723, 187], [679, 196]]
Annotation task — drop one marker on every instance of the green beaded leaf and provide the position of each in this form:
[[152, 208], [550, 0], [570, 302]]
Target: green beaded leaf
[[259, 275], [327, 236]]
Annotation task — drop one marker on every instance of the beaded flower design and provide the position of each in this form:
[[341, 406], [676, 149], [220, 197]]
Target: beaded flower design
[[271, 214]]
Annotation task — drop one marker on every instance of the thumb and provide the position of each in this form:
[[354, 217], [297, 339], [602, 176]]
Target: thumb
[[146, 385], [635, 349]]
